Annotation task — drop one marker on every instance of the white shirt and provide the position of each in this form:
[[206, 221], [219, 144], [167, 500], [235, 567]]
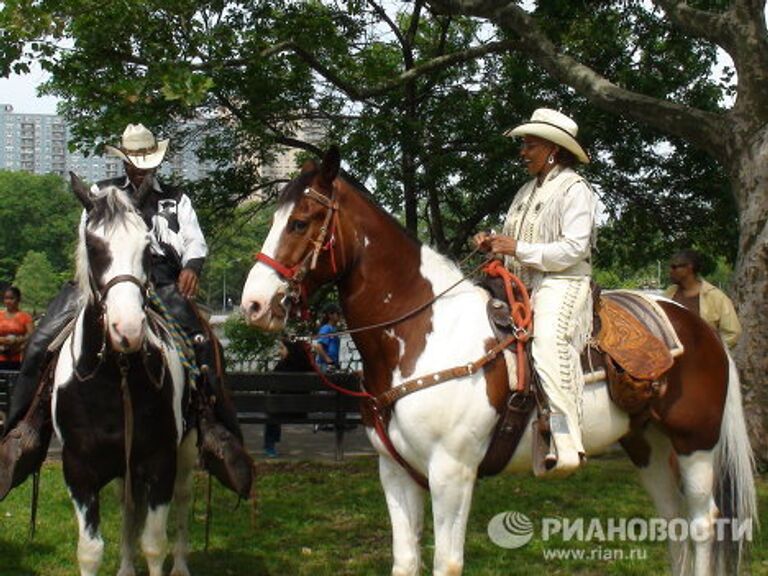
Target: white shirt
[[575, 206], [188, 242]]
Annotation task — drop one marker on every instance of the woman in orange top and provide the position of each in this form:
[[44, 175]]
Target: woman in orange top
[[15, 328]]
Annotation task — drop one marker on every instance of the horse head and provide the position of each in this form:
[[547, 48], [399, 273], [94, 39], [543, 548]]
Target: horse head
[[302, 250], [113, 262]]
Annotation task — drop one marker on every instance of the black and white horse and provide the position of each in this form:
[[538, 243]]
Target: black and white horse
[[119, 393]]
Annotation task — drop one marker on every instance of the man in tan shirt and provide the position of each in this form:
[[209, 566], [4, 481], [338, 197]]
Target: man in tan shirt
[[701, 297]]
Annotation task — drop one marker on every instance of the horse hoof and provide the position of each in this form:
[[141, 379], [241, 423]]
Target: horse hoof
[[180, 571]]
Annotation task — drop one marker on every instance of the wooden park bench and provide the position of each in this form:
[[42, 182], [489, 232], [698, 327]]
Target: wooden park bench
[[296, 398], [7, 380], [272, 397]]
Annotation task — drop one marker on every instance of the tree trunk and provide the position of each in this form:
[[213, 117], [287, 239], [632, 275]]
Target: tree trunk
[[750, 290]]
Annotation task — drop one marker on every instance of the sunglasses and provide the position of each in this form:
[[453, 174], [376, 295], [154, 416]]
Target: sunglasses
[[676, 266]]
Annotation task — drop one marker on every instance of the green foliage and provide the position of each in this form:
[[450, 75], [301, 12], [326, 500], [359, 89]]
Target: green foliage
[[236, 237], [246, 344], [37, 213], [37, 281], [431, 148]]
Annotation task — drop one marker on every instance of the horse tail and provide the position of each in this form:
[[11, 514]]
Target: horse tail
[[734, 482]]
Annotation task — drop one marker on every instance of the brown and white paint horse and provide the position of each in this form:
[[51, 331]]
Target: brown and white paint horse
[[113, 343], [697, 440]]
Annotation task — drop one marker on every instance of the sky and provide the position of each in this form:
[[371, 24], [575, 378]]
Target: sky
[[21, 93]]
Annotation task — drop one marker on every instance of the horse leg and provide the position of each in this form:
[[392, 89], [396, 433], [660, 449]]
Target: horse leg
[[182, 495], [451, 483], [697, 471], [154, 538], [405, 501], [83, 489], [651, 451]]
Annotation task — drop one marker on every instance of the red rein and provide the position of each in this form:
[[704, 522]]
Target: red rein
[[520, 311]]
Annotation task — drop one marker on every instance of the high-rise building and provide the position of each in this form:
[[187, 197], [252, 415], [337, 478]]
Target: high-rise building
[[38, 143], [285, 164]]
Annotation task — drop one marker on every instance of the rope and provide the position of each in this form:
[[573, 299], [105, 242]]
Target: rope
[[181, 340], [521, 313], [127, 431]]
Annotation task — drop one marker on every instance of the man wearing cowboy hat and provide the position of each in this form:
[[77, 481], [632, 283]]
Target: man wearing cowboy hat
[[178, 250], [546, 241]]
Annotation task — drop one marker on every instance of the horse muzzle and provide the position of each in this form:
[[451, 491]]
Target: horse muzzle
[[268, 315], [127, 337]]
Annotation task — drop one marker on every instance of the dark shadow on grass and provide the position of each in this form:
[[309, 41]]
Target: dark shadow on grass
[[228, 563], [14, 556]]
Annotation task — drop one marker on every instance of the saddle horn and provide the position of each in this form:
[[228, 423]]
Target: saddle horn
[[81, 191]]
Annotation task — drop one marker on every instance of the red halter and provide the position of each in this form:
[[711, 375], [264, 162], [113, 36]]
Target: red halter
[[326, 238], [284, 271]]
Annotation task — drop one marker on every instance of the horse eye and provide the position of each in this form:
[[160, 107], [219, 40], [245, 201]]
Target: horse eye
[[297, 226]]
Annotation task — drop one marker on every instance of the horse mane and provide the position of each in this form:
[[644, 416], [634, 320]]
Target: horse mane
[[112, 207], [295, 188], [293, 191]]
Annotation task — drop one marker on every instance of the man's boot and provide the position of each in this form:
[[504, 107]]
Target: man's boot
[[220, 440], [29, 429], [23, 449]]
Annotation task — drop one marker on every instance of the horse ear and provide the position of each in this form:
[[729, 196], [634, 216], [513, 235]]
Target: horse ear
[[308, 166], [331, 163], [81, 191]]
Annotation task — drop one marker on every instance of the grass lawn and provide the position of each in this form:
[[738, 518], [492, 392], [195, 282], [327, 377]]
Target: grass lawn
[[318, 519]]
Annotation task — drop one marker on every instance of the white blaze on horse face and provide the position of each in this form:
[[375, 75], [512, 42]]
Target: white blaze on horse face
[[265, 287], [124, 303]]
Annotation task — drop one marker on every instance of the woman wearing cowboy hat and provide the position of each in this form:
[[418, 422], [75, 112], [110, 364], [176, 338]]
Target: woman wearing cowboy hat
[[546, 241]]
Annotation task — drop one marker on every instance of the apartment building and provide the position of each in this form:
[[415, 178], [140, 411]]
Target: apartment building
[[37, 143], [285, 164]]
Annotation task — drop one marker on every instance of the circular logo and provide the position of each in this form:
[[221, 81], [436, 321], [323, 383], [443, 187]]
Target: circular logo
[[510, 530]]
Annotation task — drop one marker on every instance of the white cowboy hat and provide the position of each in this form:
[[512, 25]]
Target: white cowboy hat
[[553, 126], [139, 147]]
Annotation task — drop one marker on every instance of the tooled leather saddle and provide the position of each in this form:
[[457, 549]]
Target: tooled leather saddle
[[632, 346]]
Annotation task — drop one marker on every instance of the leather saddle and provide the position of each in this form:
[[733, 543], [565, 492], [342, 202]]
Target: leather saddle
[[633, 345]]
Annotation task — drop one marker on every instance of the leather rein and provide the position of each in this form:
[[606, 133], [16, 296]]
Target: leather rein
[[100, 296], [381, 406]]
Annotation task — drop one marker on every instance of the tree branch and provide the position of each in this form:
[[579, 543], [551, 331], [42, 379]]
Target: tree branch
[[392, 26], [701, 23], [357, 93], [700, 127]]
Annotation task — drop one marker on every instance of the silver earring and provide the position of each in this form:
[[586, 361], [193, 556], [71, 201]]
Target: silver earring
[[551, 159]]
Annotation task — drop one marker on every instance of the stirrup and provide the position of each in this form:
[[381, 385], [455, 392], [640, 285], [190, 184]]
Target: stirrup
[[222, 454], [22, 452]]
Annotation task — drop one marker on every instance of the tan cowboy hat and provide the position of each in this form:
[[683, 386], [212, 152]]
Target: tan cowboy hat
[[139, 147], [553, 126]]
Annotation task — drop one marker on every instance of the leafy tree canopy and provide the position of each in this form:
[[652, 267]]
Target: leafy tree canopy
[[37, 281], [426, 138], [38, 214]]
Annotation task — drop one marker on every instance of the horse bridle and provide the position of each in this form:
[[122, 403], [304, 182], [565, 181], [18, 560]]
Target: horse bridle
[[294, 275], [326, 238], [120, 279]]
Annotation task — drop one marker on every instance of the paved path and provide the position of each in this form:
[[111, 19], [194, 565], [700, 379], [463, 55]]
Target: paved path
[[299, 442]]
